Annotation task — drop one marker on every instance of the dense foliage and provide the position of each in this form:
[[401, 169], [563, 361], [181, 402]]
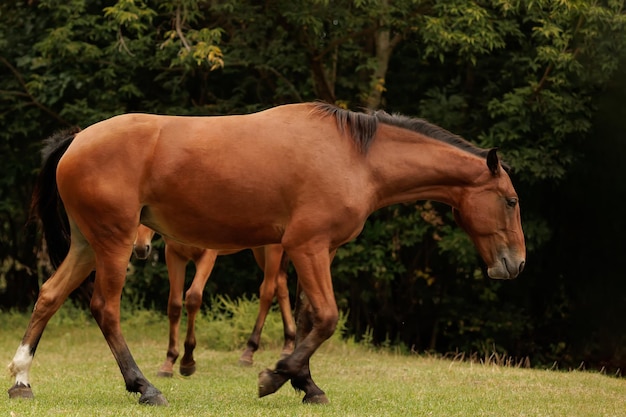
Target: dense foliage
[[525, 76]]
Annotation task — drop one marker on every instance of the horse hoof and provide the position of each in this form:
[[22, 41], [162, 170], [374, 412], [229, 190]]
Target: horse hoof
[[270, 382], [187, 370], [316, 399], [153, 396], [21, 391], [246, 361], [165, 374]]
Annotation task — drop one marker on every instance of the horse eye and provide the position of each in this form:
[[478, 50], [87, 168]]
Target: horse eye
[[511, 202]]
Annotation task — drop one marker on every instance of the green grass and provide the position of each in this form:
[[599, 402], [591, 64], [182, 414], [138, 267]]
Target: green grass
[[74, 374]]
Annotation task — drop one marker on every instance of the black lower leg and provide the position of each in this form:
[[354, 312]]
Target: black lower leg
[[134, 379], [312, 393]]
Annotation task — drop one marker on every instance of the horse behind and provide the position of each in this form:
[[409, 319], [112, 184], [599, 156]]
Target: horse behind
[[305, 176], [269, 258]]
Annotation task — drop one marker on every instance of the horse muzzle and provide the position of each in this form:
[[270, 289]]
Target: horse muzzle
[[506, 268], [142, 251]]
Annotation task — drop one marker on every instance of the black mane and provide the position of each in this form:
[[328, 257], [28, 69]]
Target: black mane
[[363, 127]]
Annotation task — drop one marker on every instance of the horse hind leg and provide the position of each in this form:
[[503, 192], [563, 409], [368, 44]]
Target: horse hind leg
[[111, 263], [265, 258], [266, 296], [282, 296], [274, 284], [77, 265]]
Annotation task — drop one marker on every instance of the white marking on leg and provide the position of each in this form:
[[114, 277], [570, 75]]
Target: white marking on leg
[[20, 366]]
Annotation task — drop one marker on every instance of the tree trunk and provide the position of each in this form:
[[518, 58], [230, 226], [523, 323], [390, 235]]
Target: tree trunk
[[384, 45]]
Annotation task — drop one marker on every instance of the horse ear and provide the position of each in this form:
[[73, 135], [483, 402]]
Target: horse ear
[[492, 161]]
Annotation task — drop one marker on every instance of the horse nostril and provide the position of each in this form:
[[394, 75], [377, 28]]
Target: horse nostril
[[521, 266]]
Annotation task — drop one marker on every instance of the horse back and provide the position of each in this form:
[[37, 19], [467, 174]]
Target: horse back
[[242, 178]]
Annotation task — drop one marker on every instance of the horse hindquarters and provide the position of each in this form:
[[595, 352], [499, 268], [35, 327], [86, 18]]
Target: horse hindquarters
[[104, 207]]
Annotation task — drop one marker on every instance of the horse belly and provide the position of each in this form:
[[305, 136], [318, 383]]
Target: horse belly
[[225, 184], [217, 214]]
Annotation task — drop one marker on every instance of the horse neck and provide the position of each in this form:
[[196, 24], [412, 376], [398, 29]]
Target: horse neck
[[405, 171]]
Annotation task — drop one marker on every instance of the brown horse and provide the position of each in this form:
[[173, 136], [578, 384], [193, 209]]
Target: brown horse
[[306, 176], [177, 255]]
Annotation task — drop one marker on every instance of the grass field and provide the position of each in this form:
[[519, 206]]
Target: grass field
[[74, 374]]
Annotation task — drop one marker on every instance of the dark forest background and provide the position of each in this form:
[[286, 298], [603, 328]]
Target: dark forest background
[[545, 81]]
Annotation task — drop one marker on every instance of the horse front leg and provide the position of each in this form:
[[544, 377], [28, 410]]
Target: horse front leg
[[176, 266], [72, 271], [193, 301], [318, 324], [105, 307], [303, 381]]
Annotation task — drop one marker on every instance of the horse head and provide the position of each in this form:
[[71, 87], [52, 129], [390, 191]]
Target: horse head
[[143, 242], [490, 214]]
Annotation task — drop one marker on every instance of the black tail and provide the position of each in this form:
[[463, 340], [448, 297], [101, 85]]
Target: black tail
[[46, 204]]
